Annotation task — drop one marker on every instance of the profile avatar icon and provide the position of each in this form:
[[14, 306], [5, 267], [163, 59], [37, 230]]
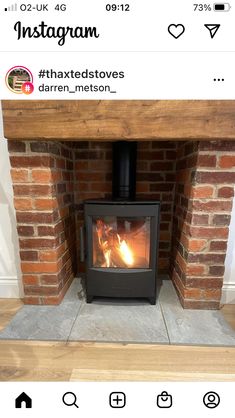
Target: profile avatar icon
[[19, 80], [211, 400]]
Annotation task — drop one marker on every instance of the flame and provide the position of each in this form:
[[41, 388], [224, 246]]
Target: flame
[[113, 247], [125, 252], [107, 255]]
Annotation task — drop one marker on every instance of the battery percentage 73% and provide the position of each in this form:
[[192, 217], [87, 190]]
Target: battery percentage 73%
[[200, 7]]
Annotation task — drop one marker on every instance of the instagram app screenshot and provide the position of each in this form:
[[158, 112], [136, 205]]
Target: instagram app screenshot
[[117, 214], [99, 50]]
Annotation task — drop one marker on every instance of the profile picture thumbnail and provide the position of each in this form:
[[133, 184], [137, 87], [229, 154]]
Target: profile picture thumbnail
[[19, 80]]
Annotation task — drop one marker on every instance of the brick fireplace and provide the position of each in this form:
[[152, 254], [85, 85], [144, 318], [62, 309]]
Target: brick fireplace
[[193, 179]]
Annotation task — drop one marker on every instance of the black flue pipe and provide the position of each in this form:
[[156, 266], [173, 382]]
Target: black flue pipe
[[124, 170]]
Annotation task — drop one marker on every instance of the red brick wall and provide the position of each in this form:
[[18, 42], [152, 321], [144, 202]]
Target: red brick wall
[[155, 180], [42, 175], [203, 202], [193, 180]]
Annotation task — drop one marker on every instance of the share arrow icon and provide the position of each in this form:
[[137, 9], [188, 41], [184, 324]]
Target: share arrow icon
[[212, 29]]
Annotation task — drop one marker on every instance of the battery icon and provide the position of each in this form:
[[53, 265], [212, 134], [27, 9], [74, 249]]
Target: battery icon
[[221, 7]]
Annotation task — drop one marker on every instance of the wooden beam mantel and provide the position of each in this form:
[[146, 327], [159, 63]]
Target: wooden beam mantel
[[119, 119]]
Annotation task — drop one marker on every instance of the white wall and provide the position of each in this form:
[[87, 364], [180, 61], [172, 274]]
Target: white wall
[[10, 276], [228, 293]]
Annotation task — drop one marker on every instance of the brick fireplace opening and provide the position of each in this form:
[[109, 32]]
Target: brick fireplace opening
[[194, 180]]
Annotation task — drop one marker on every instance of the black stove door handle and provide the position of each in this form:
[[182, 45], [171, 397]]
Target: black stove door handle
[[82, 249]]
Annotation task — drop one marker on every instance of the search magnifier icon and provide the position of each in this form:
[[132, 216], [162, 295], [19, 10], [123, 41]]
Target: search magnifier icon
[[70, 399]]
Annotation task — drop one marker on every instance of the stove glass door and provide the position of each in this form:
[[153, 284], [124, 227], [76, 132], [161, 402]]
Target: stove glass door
[[120, 242]]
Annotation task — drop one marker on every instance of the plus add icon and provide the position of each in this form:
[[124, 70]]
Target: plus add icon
[[117, 399]]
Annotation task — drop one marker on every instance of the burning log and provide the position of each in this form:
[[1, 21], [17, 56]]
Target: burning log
[[112, 251], [117, 260]]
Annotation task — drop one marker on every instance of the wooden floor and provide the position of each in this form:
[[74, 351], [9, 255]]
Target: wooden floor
[[229, 313], [58, 361], [8, 308], [48, 361]]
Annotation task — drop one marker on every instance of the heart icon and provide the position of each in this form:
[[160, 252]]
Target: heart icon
[[176, 30]]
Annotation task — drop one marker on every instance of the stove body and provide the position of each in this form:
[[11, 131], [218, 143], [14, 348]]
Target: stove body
[[121, 249]]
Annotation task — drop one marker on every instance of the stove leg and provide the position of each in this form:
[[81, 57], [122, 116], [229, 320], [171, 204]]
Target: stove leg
[[152, 300], [89, 299]]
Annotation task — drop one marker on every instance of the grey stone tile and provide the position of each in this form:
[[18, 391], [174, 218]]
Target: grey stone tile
[[119, 320], [45, 322], [189, 326], [129, 321], [75, 292]]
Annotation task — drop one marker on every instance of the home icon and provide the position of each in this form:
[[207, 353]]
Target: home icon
[[23, 400]]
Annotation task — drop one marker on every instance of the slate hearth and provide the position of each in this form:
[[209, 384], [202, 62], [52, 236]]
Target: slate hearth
[[133, 321]]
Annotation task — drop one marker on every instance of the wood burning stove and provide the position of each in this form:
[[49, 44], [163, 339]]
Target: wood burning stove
[[122, 243], [122, 236]]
